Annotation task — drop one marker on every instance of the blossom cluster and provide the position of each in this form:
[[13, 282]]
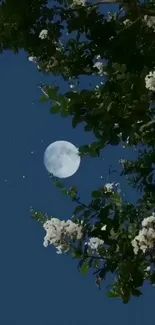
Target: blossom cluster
[[94, 243], [150, 81], [146, 237], [43, 34], [127, 22], [78, 3], [150, 21], [112, 187], [32, 59], [99, 64], [60, 232]]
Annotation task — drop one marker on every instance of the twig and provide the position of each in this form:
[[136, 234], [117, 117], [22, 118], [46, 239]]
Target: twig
[[135, 21], [84, 205]]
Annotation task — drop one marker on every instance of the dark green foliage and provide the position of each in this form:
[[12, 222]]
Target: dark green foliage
[[120, 110]]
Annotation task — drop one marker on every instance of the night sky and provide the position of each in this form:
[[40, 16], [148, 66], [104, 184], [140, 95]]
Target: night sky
[[37, 286]]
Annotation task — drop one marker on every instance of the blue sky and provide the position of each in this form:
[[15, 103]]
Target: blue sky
[[37, 286]]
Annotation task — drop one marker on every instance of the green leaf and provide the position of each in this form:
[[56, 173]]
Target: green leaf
[[55, 109], [64, 113], [59, 184], [116, 199], [84, 269], [52, 92], [126, 298], [80, 264], [78, 252], [111, 105], [112, 294], [136, 292], [96, 194], [87, 213], [96, 203], [119, 67], [63, 101], [79, 209], [96, 263], [88, 128], [44, 99]]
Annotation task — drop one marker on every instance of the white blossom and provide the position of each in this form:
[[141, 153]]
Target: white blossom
[[148, 269], [78, 3], [111, 16], [32, 59], [104, 227], [150, 81], [109, 187], [116, 125], [99, 65], [127, 22], [150, 21], [146, 237], [94, 243], [112, 187], [43, 34], [148, 220], [58, 232], [135, 246]]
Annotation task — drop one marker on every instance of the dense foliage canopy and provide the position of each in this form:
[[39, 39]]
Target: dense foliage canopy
[[76, 38]]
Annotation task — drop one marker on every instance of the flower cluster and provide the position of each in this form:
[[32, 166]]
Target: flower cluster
[[32, 59], [78, 3], [99, 65], [112, 187], [43, 34], [94, 243], [150, 81], [60, 232], [146, 237], [150, 21], [127, 22]]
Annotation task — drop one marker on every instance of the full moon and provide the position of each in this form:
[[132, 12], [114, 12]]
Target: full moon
[[61, 158]]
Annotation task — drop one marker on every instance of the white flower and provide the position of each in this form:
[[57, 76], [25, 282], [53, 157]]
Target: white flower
[[150, 21], [104, 227], [116, 125], [148, 269], [58, 232], [148, 220], [43, 34], [78, 3], [109, 187], [32, 59], [94, 243], [146, 237], [99, 65], [127, 22], [135, 246], [150, 81], [111, 16]]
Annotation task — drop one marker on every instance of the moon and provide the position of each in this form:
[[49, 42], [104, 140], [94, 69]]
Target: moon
[[61, 158]]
